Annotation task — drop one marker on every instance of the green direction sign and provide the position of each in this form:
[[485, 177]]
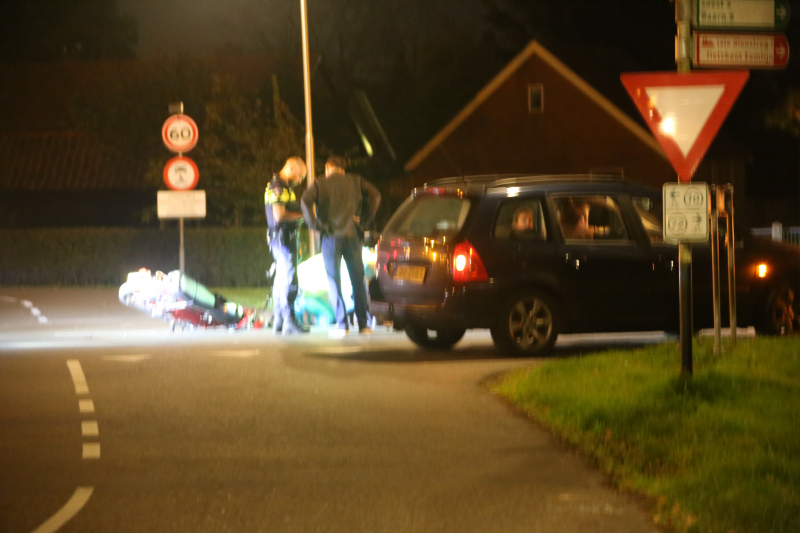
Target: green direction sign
[[742, 14]]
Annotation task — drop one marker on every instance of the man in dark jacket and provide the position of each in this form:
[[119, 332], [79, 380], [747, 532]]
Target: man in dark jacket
[[339, 199]]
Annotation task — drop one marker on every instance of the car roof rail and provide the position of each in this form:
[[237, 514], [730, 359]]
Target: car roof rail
[[555, 178], [499, 181], [480, 179]]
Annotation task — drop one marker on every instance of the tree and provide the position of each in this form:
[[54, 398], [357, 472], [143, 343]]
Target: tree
[[124, 109], [786, 117], [244, 142], [51, 30]]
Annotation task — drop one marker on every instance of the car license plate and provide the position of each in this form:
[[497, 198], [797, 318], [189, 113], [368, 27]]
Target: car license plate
[[412, 274]]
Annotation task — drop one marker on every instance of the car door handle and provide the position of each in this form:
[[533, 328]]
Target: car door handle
[[575, 260], [665, 263]]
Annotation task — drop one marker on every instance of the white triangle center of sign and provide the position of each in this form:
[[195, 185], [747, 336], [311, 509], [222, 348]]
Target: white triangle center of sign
[[684, 111]]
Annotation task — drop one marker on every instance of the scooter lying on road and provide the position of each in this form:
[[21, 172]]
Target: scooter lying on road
[[184, 302]]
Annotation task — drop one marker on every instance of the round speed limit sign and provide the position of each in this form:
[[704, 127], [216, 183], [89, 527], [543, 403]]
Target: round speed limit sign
[[179, 133], [181, 174]]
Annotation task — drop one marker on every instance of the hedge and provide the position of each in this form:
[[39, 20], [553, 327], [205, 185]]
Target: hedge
[[219, 257]]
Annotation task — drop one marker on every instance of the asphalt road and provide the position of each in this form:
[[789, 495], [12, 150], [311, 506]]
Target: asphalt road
[[111, 423]]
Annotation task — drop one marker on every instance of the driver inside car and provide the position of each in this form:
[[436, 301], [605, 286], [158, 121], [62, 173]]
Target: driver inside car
[[574, 220], [522, 223]]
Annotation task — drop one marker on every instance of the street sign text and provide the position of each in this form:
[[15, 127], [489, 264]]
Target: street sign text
[[756, 50], [685, 212]]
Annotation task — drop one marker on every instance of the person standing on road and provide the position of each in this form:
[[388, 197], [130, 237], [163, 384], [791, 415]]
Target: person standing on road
[[341, 214], [283, 218]]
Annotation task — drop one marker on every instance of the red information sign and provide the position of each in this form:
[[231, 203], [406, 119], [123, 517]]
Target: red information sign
[[181, 174], [745, 50], [685, 111]]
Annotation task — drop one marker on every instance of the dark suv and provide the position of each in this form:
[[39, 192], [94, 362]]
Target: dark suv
[[533, 257]]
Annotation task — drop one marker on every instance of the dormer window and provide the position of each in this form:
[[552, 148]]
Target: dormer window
[[535, 98]]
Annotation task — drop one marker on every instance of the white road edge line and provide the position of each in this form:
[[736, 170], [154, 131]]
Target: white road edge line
[[341, 349], [133, 358], [78, 378], [237, 353], [75, 504]]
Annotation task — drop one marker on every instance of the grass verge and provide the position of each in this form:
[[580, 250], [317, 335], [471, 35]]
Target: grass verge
[[719, 452]]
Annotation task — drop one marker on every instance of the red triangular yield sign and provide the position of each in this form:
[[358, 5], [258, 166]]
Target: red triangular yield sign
[[685, 111]]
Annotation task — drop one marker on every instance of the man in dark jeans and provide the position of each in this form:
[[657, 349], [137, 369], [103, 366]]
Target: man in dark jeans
[[339, 201]]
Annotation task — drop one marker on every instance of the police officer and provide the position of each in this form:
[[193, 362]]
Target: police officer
[[283, 217]]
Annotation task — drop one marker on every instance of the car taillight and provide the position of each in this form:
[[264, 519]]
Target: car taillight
[[467, 264]]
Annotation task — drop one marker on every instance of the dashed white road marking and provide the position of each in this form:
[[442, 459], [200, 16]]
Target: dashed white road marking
[[91, 450], [135, 358], [70, 509], [35, 311], [78, 378], [86, 406], [89, 428], [237, 353]]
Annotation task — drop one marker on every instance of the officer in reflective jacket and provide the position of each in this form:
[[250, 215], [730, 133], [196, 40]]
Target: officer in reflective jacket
[[283, 217]]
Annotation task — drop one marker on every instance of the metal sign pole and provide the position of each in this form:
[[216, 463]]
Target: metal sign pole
[[715, 274], [731, 244], [683, 18], [180, 254]]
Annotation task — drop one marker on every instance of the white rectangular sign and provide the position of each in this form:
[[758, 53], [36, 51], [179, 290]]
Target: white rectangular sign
[[181, 204], [765, 14], [686, 212]]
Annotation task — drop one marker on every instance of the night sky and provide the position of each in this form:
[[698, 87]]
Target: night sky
[[203, 25], [420, 61]]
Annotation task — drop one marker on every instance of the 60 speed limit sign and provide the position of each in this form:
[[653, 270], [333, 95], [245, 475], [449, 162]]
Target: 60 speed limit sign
[[179, 133]]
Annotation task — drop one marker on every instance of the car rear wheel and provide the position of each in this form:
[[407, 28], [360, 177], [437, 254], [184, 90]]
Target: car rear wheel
[[443, 339], [781, 315], [528, 326]]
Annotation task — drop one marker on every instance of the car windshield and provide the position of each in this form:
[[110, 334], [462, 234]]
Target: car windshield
[[429, 216]]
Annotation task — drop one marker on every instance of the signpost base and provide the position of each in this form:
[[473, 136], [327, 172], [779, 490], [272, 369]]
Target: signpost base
[[180, 254], [687, 328]]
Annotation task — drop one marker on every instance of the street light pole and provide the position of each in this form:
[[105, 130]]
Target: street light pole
[[309, 130]]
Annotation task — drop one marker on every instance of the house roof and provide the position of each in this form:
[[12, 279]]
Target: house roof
[[533, 49], [40, 148], [62, 161]]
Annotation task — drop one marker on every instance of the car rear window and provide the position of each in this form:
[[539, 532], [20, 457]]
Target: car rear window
[[429, 216]]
